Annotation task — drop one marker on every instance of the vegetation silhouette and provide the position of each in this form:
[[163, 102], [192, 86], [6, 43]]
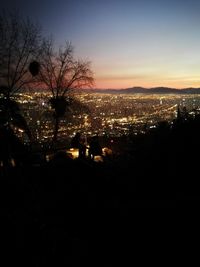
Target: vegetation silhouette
[[20, 46], [79, 143], [61, 72], [94, 147]]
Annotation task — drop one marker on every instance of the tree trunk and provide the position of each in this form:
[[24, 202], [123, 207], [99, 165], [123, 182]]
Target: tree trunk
[[56, 127]]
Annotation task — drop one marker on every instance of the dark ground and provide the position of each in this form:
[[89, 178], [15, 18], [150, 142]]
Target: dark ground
[[60, 212]]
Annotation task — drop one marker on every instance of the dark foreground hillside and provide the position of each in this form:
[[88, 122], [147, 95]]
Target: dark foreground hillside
[[53, 208]]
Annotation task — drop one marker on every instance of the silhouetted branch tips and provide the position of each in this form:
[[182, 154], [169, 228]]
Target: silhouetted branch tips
[[60, 72], [20, 44]]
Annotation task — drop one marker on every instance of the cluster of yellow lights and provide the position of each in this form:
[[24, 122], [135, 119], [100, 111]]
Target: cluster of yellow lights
[[74, 153]]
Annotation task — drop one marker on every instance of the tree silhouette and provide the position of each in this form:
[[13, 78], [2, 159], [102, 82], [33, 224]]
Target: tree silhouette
[[20, 42], [61, 73], [20, 46]]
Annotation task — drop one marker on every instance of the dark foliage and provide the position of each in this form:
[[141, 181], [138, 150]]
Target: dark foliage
[[34, 68], [59, 104], [10, 115]]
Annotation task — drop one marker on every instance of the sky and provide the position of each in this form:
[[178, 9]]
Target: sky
[[130, 43]]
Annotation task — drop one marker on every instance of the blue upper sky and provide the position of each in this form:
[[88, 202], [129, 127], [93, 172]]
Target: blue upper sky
[[130, 43]]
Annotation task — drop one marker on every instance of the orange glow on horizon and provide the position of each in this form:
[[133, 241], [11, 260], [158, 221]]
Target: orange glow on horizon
[[122, 84]]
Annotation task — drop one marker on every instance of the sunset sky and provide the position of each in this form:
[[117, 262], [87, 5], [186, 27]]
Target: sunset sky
[[129, 42]]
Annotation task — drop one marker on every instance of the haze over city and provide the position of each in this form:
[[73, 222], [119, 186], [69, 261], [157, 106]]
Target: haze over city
[[129, 43]]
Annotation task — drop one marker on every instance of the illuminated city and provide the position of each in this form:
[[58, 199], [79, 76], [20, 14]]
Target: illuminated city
[[103, 114]]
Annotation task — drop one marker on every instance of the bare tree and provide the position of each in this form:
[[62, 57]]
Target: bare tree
[[61, 73], [19, 45], [19, 48]]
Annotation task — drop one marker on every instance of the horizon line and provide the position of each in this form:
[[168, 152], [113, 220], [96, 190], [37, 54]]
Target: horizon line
[[139, 87]]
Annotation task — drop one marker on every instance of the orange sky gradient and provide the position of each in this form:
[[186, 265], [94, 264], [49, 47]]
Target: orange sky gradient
[[121, 83], [129, 42]]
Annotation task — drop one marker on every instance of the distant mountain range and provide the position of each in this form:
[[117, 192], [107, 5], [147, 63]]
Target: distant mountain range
[[142, 90]]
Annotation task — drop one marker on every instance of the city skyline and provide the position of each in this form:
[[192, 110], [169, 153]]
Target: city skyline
[[129, 43]]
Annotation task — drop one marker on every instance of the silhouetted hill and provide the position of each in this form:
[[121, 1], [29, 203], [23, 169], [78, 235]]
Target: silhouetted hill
[[191, 90], [142, 90], [164, 90]]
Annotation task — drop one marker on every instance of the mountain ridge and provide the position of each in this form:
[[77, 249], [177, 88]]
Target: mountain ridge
[[143, 90]]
